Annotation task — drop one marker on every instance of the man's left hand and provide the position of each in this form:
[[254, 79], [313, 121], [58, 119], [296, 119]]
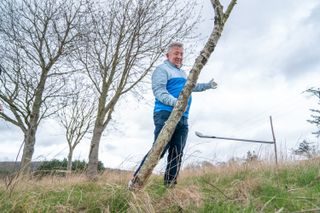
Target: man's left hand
[[213, 84]]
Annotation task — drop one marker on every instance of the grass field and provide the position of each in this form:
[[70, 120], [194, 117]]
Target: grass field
[[254, 187]]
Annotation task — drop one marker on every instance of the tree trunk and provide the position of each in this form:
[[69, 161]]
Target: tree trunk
[[103, 118], [169, 127], [30, 137], [69, 165], [28, 149], [92, 171]]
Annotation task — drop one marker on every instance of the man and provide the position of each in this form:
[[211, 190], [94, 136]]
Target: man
[[168, 80]]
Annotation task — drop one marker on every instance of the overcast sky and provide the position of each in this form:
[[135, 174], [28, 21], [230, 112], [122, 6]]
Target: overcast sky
[[267, 56]]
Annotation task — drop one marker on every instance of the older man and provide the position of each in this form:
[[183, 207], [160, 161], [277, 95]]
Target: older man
[[168, 80]]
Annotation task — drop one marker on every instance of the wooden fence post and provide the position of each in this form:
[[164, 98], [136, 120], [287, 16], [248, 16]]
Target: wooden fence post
[[274, 141]]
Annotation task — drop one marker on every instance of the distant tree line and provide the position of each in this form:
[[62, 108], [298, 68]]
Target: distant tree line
[[56, 166]]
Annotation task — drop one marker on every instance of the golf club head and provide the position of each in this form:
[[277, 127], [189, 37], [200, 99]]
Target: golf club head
[[199, 134]]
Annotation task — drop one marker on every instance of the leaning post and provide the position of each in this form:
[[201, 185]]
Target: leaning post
[[274, 141]]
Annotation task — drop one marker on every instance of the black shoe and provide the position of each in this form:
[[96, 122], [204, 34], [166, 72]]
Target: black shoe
[[134, 184], [170, 185]]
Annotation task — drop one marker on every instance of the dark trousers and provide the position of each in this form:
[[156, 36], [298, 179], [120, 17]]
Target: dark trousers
[[175, 146]]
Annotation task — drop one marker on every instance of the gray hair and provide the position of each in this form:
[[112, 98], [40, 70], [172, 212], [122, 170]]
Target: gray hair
[[174, 44]]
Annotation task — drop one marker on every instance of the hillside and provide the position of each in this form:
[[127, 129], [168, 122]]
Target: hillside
[[11, 165], [254, 187]]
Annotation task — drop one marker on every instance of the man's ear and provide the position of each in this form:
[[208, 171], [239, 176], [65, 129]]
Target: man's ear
[[167, 55]]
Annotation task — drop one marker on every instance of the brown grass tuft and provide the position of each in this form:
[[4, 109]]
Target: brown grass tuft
[[241, 189], [181, 197]]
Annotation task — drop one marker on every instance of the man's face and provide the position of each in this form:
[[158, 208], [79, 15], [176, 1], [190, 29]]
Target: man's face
[[175, 56]]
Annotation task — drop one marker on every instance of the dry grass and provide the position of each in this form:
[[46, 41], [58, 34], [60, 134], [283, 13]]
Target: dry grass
[[179, 198], [241, 189], [231, 184], [183, 197]]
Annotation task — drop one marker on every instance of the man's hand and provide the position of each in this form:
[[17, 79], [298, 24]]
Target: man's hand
[[213, 84]]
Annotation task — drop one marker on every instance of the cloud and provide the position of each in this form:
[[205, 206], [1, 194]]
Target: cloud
[[300, 52], [110, 147], [270, 37], [11, 139], [9, 132]]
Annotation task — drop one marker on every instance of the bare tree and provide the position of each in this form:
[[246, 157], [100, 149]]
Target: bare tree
[[37, 36], [316, 112], [77, 115], [169, 127], [126, 40]]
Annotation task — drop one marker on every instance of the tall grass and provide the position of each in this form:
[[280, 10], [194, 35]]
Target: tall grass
[[254, 187]]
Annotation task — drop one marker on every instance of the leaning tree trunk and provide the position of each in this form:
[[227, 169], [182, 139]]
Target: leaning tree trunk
[[169, 127]]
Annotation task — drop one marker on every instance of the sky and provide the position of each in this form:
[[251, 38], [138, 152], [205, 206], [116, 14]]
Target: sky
[[267, 57]]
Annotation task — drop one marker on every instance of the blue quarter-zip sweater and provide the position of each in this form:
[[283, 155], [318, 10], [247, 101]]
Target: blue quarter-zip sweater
[[167, 83]]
